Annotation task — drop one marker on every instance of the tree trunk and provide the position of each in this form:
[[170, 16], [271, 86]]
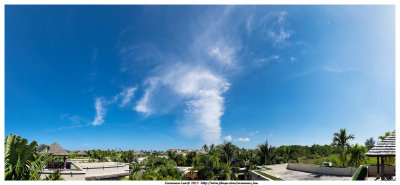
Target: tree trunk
[[383, 168], [377, 166], [65, 162]]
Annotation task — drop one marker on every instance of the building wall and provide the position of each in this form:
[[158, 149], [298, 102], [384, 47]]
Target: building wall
[[389, 170], [322, 169], [67, 175], [105, 170]]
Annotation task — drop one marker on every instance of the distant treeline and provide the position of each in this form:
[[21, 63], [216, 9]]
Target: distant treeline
[[225, 161]]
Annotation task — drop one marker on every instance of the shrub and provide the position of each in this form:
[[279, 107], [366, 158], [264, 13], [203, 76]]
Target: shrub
[[360, 173], [334, 160]]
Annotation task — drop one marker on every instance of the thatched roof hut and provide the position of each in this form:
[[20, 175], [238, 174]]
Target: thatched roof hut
[[57, 150], [384, 149], [81, 153]]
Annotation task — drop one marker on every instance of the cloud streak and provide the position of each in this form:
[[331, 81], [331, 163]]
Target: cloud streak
[[280, 32], [325, 68], [127, 96], [100, 112], [200, 91]]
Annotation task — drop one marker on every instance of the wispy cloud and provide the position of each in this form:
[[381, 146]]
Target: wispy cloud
[[201, 92], [252, 133], [198, 76], [332, 69], [101, 102], [74, 121], [266, 60], [127, 95], [280, 32], [325, 68], [100, 112], [292, 59], [143, 104]]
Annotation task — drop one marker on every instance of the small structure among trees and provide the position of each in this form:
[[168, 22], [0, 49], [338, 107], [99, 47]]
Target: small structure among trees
[[82, 153], [57, 150], [383, 150]]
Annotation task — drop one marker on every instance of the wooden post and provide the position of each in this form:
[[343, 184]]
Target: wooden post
[[377, 166], [65, 162], [383, 168]]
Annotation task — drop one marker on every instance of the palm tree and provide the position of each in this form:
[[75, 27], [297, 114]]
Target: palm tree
[[209, 167], [212, 149], [357, 155], [171, 155], [289, 153], [228, 153], [189, 158], [369, 143], [244, 158], [341, 140], [157, 169], [205, 147], [266, 153]]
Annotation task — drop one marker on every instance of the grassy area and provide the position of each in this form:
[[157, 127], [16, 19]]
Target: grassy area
[[77, 167], [266, 168], [269, 176], [360, 173], [316, 161]]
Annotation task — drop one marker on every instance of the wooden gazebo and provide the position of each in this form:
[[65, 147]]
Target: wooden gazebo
[[384, 149], [57, 150], [81, 153]]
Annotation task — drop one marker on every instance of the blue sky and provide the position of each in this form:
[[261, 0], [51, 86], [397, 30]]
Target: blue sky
[[160, 77]]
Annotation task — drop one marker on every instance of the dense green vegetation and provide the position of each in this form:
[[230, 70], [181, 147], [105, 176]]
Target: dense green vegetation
[[22, 162], [215, 162]]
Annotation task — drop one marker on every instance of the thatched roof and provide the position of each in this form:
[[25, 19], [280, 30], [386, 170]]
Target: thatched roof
[[56, 150], [81, 153], [387, 147]]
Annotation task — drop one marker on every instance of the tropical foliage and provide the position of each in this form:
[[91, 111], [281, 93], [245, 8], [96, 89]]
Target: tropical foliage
[[21, 160], [357, 154], [369, 143], [157, 168], [341, 140], [215, 162]]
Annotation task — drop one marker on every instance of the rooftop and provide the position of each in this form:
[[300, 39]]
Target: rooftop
[[387, 147]]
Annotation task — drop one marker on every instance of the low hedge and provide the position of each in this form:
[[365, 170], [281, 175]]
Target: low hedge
[[269, 176], [360, 173]]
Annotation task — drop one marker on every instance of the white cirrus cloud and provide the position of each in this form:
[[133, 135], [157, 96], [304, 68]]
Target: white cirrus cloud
[[279, 32], [252, 133], [100, 112], [228, 138], [196, 88], [224, 54], [127, 95]]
